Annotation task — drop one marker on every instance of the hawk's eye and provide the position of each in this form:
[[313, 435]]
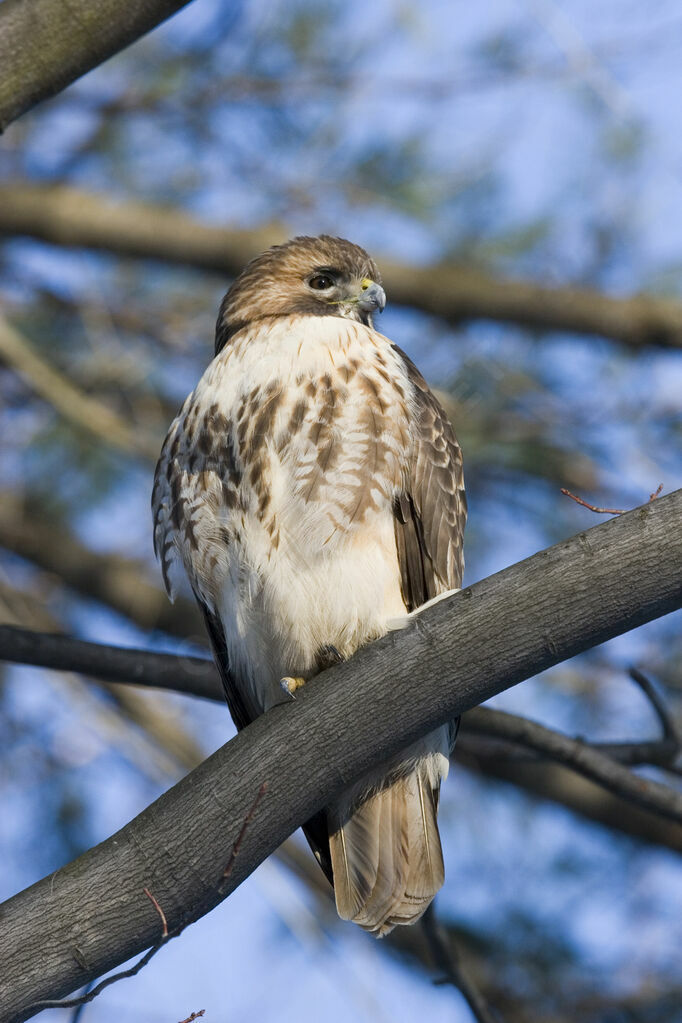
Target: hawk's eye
[[321, 282]]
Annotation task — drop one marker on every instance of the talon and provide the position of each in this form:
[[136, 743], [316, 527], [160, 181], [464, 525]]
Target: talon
[[290, 684]]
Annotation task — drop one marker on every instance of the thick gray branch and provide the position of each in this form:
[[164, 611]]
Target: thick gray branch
[[92, 914], [44, 46], [73, 217]]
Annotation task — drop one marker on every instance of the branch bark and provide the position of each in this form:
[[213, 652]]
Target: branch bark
[[92, 914], [72, 217], [45, 46]]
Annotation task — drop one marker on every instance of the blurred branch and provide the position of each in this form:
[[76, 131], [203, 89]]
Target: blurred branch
[[660, 708], [121, 583], [462, 650], [72, 217], [561, 785], [45, 46], [158, 745], [447, 960], [74, 405], [581, 757]]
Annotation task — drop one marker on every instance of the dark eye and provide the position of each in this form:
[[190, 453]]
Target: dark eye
[[321, 282]]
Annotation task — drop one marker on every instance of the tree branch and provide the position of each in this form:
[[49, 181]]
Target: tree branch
[[197, 676], [88, 415], [45, 46], [582, 758], [87, 917], [72, 217], [447, 960], [123, 584]]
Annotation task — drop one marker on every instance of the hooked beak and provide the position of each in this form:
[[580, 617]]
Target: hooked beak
[[372, 296]]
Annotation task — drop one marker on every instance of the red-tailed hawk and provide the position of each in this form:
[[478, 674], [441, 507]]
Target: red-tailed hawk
[[312, 488]]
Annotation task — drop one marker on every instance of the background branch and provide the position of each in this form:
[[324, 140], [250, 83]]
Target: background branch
[[91, 915], [88, 415], [44, 47], [73, 217], [121, 583]]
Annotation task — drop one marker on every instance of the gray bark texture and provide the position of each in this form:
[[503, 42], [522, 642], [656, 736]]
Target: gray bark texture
[[203, 837], [44, 45]]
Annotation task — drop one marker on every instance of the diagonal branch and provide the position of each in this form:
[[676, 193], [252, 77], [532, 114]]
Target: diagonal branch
[[73, 217], [121, 583], [45, 46], [581, 757], [78, 408], [87, 918]]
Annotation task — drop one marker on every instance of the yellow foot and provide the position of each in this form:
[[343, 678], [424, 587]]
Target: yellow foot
[[290, 684]]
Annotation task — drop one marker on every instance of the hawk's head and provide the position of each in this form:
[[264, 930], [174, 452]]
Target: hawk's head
[[321, 276]]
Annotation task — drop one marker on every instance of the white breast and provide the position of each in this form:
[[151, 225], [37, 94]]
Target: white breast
[[319, 414]]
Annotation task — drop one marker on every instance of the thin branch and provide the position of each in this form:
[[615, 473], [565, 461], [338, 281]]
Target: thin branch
[[180, 673], [662, 711], [157, 907], [193, 1015], [240, 837], [584, 759], [74, 217], [447, 960], [606, 511]]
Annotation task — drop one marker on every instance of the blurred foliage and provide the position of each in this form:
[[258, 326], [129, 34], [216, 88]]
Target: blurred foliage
[[491, 136]]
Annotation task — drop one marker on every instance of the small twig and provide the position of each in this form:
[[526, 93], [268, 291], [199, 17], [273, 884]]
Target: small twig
[[80, 1009], [157, 907], [89, 996], [580, 757], [661, 710], [240, 837], [607, 511], [193, 1016], [446, 959]]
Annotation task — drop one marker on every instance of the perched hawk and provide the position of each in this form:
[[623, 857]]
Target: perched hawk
[[312, 488]]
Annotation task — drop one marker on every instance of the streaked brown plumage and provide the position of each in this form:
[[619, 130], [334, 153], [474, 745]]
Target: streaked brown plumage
[[312, 488]]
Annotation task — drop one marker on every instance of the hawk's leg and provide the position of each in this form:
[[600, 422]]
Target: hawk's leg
[[290, 683], [327, 656]]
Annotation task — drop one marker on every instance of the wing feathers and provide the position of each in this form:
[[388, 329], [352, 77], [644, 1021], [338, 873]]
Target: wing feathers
[[430, 513]]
